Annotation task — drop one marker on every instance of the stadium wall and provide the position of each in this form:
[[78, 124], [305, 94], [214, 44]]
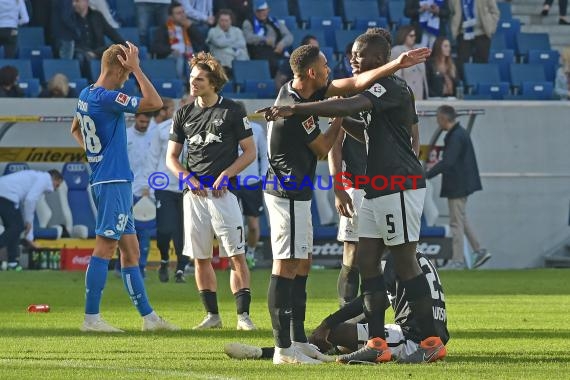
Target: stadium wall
[[521, 147]]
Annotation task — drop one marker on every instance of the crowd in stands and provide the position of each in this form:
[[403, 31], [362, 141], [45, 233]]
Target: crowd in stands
[[468, 37]]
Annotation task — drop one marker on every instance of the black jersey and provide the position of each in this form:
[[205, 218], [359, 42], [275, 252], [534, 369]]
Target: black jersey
[[211, 135], [404, 316], [353, 156], [292, 163], [388, 134]]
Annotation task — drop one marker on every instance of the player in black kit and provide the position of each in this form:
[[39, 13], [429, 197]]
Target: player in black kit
[[403, 336], [212, 127], [294, 144], [392, 207]]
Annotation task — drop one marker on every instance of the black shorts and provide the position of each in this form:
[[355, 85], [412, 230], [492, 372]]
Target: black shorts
[[168, 211], [250, 198]]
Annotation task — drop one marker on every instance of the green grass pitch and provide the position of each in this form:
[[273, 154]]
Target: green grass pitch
[[503, 324]]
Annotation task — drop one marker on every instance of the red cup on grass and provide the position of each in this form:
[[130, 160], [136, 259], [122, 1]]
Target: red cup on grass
[[40, 308]]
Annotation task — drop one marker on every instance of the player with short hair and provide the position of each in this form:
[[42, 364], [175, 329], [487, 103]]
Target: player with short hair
[[99, 127], [390, 215], [212, 127], [294, 145], [335, 334]]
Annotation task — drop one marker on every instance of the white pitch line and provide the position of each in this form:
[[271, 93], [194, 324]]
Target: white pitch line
[[80, 364]]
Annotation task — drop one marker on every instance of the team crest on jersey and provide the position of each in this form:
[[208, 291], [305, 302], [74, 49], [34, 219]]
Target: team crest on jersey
[[246, 124], [309, 125], [122, 99], [134, 102], [377, 90]]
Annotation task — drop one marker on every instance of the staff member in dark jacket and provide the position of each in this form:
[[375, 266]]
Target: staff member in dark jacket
[[460, 179]]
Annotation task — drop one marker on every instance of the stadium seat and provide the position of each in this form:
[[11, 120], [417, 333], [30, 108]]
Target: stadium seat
[[396, 14], [329, 54], [24, 67], [31, 87], [265, 89], [94, 69], [289, 21], [228, 87], [1, 52], [325, 23], [342, 38], [255, 69], [69, 67], [13, 167], [503, 58], [131, 34], [78, 84], [510, 29], [31, 36], [495, 91], [76, 176], [159, 68], [484, 77], [364, 23], [360, 9], [548, 59], [498, 41], [36, 56], [505, 9], [538, 91], [240, 95], [126, 12], [431, 231], [171, 88], [531, 41], [299, 34], [530, 72], [278, 8], [319, 8]]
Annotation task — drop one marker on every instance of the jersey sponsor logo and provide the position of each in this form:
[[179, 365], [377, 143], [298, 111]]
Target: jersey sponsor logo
[[377, 90], [122, 99], [309, 125], [217, 122], [209, 138], [246, 124], [134, 102]]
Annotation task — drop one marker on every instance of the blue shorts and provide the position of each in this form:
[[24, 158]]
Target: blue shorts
[[114, 203]]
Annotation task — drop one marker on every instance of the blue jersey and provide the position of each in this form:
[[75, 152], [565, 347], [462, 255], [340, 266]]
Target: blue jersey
[[100, 113]]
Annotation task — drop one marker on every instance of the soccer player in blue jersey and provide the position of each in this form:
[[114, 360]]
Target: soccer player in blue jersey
[[99, 127]]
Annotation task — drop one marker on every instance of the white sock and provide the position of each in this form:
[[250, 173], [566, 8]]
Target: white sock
[[250, 251], [92, 318], [153, 317]]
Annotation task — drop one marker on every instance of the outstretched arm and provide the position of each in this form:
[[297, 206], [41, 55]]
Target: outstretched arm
[[359, 83], [330, 108]]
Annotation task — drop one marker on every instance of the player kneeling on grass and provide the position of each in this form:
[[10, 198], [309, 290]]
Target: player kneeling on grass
[[334, 335]]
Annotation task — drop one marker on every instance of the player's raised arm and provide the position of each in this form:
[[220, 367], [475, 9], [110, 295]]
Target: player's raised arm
[[359, 83], [330, 108], [151, 100]]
